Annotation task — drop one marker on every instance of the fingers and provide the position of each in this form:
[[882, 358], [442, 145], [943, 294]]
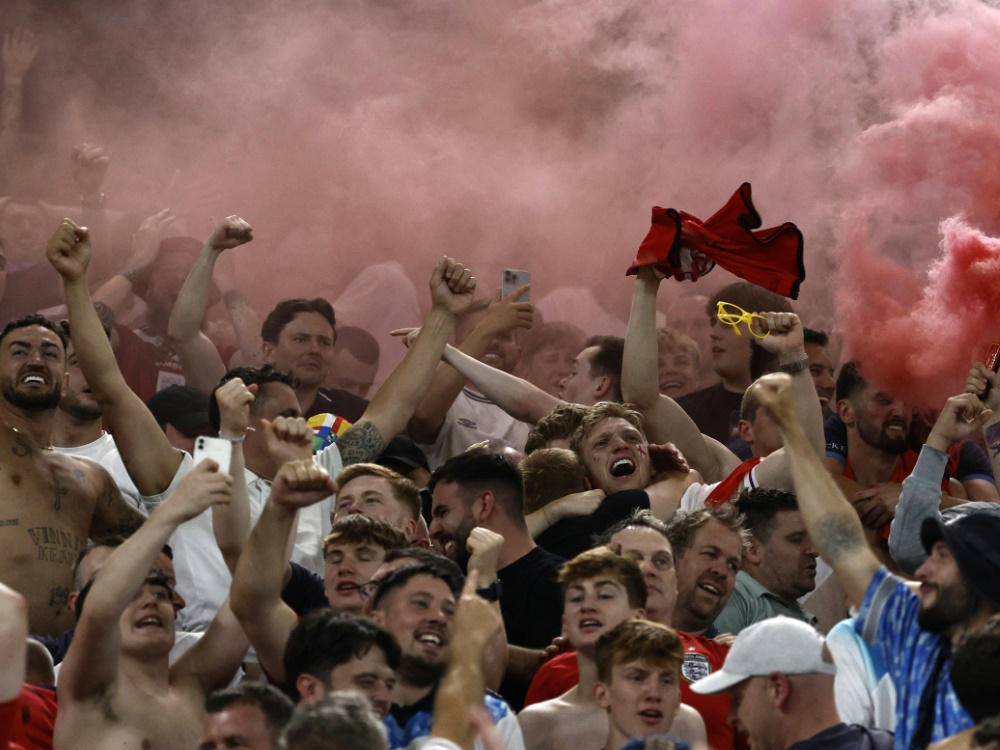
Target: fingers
[[471, 583], [304, 475], [516, 294], [292, 430], [775, 322]]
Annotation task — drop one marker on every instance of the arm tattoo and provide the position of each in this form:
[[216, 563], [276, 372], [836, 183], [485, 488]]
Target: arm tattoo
[[839, 537], [105, 314], [363, 442]]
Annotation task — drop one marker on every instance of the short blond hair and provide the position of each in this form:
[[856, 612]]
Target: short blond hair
[[549, 474], [402, 488]]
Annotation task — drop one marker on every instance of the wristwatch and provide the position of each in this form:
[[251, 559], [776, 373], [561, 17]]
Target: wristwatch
[[491, 593]]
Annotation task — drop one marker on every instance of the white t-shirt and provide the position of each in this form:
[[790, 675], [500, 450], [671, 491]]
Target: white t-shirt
[[202, 576], [470, 420]]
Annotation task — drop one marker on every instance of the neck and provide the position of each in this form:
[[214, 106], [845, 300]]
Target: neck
[[736, 384], [516, 544], [36, 427], [140, 668], [956, 633], [588, 674], [808, 720], [869, 464], [406, 694], [69, 432], [687, 622], [306, 396]]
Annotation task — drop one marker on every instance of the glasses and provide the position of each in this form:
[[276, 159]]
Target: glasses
[[731, 315]]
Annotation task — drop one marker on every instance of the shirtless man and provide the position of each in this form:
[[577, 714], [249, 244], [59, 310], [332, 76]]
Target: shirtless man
[[116, 688], [50, 503], [601, 590]]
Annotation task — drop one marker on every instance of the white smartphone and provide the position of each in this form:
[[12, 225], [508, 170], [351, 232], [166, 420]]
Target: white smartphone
[[217, 449], [514, 279]]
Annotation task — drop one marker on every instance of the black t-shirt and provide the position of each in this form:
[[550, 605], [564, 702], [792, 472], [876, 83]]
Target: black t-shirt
[[305, 591], [846, 737], [572, 536], [336, 401], [712, 409]]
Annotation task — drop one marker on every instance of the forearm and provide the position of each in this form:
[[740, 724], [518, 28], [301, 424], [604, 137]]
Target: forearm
[[246, 324], [192, 301], [231, 522], [444, 387], [640, 378], [260, 572], [807, 410], [517, 397], [91, 343], [991, 434], [461, 688], [523, 662], [10, 107], [13, 642], [920, 500]]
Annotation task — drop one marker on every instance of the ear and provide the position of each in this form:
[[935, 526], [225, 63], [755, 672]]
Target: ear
[[71, 600], [483, 507], [753, 550], [845, 410], [601, 695], [745, 430], [410, 530], [377, 616], [602, 388], [267, 349], [310, 688], [778, 688], [639, 614]]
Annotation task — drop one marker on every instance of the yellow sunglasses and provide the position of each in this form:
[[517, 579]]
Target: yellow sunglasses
[[731, 315]]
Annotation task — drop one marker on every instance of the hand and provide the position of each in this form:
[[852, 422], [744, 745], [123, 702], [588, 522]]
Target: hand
[[234, 399], [786, 341], [231, 232], [506, 314], [775, 395], [484, 548], [486, 729], [19, 50], [409, 335], [876, 506], [452, 287], [299, 484], [146, 243], [578, 504], [68, 250], [477, 621], [202, 487], [725, 639], [90, 166], [961, 416], [982, 381], [667, 457], [560, 645], [288, 439]]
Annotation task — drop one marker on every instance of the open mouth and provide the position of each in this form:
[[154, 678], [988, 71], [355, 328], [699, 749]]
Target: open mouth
[[711, 588], [671, 385], [651, 716], [623, 467], [346, 588], [432, 639], [147, 622], [591, 624], [33, 378], [896, 427]]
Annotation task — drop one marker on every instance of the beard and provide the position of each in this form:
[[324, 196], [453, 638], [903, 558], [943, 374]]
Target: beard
[[416, 670], [951, 606], [79, 409], [880, 439], [30, 402]]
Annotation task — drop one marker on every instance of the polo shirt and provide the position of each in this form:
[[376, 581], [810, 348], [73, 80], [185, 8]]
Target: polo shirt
[[751, 602]]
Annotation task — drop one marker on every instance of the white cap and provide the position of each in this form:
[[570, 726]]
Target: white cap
[[778, 644]]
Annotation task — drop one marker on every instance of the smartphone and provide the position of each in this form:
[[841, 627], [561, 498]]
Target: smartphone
[[217, 449], [514, 279]]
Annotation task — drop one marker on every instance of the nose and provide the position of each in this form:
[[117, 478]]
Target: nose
[[179, 601]]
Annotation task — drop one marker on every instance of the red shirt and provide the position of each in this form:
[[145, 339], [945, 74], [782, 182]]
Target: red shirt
[[36, 719]]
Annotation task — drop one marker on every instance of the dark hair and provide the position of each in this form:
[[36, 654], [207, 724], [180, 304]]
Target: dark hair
[[761, 506], [285, 312], [850, 380], [360, 343], [975, 671], [812, 336], [35, 319], [273, 704], [476, 472], [558, 424], [988, 731], [682, 529], [752, 298], [259, 376], [358, 528], [607, 361], [324, 640], [396, 579]]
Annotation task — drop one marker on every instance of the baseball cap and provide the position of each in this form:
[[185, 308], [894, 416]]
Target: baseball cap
[[778, 644], [402, 450], [972, 539]]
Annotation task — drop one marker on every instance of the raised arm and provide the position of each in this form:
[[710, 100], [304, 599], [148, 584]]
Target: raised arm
[[832, 523], [117, 290], [231, 521], [246, 322], [664, 420], [261, 572], [148, 456], [452, 289], [200, 360], [13, 642], [19, 50], [983, 382], [516, 396], [503, 315], [921, 496], [787, 343], [91, 664]]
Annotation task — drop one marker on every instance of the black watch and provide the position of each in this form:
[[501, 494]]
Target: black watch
[[491, 593]]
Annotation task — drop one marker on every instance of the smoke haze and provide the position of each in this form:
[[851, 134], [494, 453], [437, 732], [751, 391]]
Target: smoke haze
[[537, 135]]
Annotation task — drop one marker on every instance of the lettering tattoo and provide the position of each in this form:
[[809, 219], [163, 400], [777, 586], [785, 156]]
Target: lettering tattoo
[[992, 434], [363, 442], [9, 522], [58, 597], [56, 546]]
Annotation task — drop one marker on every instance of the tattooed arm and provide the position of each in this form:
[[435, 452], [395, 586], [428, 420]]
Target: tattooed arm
[[832, 523], [452, 288], [113, 515]]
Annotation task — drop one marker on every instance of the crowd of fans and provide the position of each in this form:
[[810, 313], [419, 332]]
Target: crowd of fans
[[528, 535]]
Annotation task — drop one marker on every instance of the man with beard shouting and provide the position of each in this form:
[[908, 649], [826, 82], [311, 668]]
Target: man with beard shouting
[[915, 626], [49, 502]]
